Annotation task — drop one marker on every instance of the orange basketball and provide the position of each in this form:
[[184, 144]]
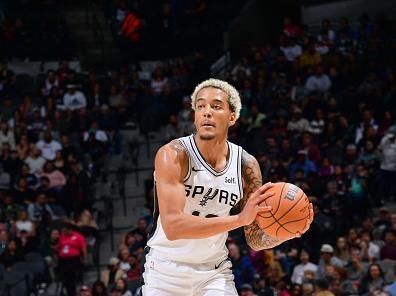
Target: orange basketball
[[289, 214]]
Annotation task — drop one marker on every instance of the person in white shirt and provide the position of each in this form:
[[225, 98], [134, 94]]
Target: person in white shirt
[[297, 123], [326, 32], [319, 81], [292, 50], [48, 146], [6, 134], [100, 135], [370, 250], [387, 149], [51, 81], [35, 161], [299, 270], [74, 99]]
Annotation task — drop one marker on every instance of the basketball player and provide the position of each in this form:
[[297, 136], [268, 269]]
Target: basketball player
[[198, 179]]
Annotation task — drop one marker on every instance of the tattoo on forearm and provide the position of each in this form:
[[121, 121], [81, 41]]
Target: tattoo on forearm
[[256, 238]]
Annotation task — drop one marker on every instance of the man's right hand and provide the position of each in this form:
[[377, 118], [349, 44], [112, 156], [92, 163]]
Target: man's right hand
[[252, 206]]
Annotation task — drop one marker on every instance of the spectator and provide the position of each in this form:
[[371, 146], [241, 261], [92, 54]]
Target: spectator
[[319, 82], [297, 123], [48, 146], [327, 258], [158, 81], [309, 58], [302, 163], [246, 290], [3, 241], [242, 266], [327, 31], [124, 255], [35, 161], [72, 254], [371, 252], [30, 179], [342, 250], [56, 177], [99, 134], [122, 287], [48, 249], [74, 99], [299, 270], [6, 134], [5, 179], [24, 224], [135, 272], [373, 280], [11, 255], [40, 210], [388, 251], [99, 289], [322, 288], [291, 50], [355, 267], [298, 90], [112, 273], [173, 129], [387, 148], [85, 291], [391, 289]]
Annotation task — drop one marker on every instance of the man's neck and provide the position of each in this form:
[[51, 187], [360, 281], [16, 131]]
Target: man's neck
[[212, 150]]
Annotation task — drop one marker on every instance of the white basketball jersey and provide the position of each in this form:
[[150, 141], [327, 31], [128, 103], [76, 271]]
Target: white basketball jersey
[[209, 193]]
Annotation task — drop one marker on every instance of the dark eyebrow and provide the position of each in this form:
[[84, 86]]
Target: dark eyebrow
[[218, 101]]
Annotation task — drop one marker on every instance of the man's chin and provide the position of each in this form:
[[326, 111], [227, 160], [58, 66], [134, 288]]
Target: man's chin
[[206, 137]]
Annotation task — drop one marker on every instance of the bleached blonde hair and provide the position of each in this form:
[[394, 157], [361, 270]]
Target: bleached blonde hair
[[233, 96]]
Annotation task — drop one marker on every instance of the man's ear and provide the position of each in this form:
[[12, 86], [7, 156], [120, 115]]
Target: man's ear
[[232, 119]]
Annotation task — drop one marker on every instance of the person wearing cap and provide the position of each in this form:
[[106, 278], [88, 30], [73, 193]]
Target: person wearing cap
[[85, 291], [297, 123], [113, 272], [72, 255], [246, 290], [74, 99], [302, 163], [327, 258]]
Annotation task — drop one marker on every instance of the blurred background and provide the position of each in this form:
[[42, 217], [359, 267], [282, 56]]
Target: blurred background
[[89, 90]]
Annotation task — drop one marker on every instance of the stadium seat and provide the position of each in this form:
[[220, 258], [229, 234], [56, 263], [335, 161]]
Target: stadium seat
[[34, 257], [15, 284]]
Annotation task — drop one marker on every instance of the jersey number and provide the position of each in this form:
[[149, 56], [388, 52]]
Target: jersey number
[[196, 213]]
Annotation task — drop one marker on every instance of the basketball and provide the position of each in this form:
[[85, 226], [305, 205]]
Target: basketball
[[289, 214]]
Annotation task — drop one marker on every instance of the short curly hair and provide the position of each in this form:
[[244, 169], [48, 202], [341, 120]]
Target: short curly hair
[[233, 96]]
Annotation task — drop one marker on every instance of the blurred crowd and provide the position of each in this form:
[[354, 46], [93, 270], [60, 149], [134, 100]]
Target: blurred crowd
[[54, 144], [34, 30], [318, 111]]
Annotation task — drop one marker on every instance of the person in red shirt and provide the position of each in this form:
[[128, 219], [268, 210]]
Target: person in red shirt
[[72, 254]]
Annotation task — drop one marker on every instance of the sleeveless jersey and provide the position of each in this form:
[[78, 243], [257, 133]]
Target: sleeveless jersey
[[209, 193]]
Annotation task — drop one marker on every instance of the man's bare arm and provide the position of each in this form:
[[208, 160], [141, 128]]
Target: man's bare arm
[[170, 168], [256, 238]]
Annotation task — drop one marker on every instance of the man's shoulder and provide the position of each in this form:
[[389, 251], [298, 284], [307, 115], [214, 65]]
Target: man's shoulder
[[174, 146]]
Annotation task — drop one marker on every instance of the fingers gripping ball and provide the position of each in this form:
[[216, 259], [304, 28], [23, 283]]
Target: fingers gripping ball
[[290, 212]]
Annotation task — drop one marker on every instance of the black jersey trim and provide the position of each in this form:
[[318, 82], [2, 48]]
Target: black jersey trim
[[201, 159], [188, 174], [239, 169], [155, 214]]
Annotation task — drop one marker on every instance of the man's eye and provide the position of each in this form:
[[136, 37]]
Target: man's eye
[[217, 107]]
